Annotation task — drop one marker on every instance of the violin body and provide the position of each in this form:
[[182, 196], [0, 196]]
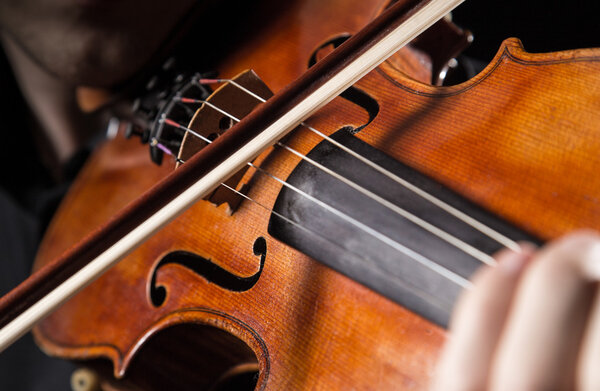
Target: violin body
[[509, 140]]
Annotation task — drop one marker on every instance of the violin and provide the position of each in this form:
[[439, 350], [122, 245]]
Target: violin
[[311, 268]]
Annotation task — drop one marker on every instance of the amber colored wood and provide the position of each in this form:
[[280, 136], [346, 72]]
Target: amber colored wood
[[520, 139], [129, 219]]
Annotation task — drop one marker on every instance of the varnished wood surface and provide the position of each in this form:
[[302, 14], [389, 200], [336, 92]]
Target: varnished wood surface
[[506, 139], [521, 137], [135, 219]]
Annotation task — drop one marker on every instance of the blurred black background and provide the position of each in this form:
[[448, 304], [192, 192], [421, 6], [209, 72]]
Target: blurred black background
[[543, 26]]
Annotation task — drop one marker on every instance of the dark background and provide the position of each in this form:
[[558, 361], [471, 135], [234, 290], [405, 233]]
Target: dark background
[[543, 26]]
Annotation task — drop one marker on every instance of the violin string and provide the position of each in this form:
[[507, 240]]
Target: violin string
[[437, 301], [465, 247], [442, 304], [157, 144], [423, 260], [486, 230], [474, 252], [419, 258]]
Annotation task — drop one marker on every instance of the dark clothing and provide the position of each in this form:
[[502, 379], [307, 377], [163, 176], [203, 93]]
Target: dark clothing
[[28, 197], [23, 366]]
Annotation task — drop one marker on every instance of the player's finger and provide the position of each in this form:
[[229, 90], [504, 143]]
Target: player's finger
[[540, 344], [477, 323]]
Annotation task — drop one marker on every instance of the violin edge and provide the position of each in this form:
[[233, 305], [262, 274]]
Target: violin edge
[[511, 48]]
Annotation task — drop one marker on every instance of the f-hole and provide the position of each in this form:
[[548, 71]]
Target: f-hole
[[207, 269]]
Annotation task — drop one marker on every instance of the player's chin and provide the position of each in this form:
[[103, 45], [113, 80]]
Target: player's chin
[[105, 74], [99, 62]]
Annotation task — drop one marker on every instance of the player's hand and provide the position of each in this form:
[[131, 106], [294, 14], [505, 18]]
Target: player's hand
[[530, 323]]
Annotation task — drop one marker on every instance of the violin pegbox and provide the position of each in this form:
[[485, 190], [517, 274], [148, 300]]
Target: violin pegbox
[[232, 101]]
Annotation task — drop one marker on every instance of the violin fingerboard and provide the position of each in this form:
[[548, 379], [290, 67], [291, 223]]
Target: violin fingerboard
[[362, 238]]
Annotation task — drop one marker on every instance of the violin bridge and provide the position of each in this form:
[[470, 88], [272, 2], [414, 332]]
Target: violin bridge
[[225, 107]]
